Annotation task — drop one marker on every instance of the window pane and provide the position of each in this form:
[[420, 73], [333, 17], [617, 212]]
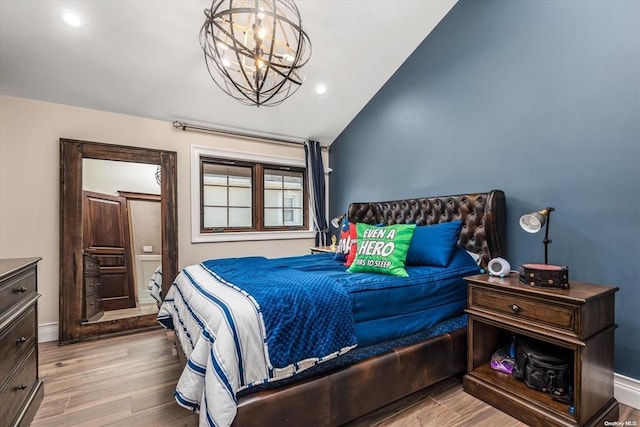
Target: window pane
[[226, 186], [293, 217], [225, 170], [215, 196], [240, 217], [294, 182], [273, 218], [240, 197], [240, 181], [209, 179], [293, 199], [272, 181], [272, 198], [215, 217]]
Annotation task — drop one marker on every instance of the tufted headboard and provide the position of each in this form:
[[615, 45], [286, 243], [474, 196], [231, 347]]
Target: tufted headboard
[[483, 215]]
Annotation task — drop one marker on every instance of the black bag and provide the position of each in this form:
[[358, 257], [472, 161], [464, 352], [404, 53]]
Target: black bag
[[544, 367]]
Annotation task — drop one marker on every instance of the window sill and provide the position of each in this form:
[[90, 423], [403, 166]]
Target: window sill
[[251, 236]]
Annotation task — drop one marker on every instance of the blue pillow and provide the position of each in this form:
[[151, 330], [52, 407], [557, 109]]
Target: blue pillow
[[434, 244]]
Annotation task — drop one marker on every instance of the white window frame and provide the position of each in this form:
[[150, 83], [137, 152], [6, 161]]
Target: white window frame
[[197, 237]]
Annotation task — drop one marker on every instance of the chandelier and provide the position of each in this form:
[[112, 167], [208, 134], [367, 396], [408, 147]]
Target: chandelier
[[158, 175], [255, 49]]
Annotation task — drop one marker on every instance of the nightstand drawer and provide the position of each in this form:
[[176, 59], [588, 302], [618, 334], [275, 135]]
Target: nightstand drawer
[[520, 307]]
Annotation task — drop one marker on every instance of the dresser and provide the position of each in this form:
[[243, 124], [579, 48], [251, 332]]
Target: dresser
[[580, 320], [21, 390], [92, 309]]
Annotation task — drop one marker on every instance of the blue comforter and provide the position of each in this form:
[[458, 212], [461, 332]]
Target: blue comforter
[[306, 314]]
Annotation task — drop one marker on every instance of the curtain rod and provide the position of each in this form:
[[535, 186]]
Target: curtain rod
[[279, 140]]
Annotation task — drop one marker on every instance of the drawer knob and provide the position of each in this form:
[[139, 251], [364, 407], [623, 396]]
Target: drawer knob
[[22, 387], [515, 308], [21, 290], [21, 340]]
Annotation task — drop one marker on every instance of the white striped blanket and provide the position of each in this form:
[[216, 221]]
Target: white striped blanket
[[222, 332], [155, 285]]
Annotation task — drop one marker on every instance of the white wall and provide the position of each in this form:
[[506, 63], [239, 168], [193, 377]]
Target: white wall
[[29, 182], [111, 177]]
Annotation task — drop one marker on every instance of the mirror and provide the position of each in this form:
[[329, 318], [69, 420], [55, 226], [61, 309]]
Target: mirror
[[76, 247]]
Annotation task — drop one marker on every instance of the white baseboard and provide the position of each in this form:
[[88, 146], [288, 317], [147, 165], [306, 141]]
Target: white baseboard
[[627, 390], [48, 332]]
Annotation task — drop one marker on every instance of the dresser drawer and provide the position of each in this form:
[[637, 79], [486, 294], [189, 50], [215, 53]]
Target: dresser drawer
[[90, 285], [515, 306], [93, 306], [97, 297], [17, 289], [91, 265], [18, 388], [16, 341], [90, 305]]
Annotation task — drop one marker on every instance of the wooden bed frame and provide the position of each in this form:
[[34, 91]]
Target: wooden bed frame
[[350, 392]]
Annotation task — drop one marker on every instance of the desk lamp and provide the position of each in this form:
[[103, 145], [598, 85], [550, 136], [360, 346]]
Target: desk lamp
[[534, 221]]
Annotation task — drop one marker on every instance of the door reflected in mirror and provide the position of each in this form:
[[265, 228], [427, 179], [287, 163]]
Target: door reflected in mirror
[[122, 235]]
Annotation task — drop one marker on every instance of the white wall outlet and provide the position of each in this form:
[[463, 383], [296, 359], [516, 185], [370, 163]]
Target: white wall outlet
[[147, 249]]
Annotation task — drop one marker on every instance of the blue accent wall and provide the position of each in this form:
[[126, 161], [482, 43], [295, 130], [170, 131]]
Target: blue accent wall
[[539, 99]]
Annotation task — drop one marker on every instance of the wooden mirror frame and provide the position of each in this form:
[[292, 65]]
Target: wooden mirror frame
[[71, 282]]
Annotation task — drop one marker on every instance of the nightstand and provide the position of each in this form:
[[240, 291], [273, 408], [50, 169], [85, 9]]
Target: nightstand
[[322, 249], [581, 319]]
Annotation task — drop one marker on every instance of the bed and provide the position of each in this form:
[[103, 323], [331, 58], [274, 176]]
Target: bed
[[339, 367]]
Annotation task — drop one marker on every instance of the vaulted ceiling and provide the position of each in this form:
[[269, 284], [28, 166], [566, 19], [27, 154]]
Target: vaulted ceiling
[[143, 58]]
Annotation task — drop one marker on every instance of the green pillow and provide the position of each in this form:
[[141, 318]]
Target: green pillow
[[382, 249]]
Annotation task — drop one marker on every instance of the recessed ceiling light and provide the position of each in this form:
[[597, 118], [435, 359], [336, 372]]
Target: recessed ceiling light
[[71, 19], [321, 89]]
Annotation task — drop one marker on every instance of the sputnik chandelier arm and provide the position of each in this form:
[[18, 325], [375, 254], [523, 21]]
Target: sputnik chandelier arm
[[255, 49]]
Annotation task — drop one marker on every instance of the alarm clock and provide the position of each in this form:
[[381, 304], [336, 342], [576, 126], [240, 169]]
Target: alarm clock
[[499, 267]]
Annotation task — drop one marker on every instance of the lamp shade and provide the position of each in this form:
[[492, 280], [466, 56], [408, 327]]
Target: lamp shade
[[533, 222], [335, 222]]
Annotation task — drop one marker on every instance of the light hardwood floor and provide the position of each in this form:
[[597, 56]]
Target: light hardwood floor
[[129, 381]]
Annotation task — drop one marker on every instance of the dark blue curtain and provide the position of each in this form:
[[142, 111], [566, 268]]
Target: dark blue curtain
[[315, 173]]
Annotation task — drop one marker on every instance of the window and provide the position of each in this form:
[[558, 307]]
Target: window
[[227, 196], [283, 198], [240, 196]]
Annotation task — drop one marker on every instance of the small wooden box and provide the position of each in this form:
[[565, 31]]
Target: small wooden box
[[545, 275]]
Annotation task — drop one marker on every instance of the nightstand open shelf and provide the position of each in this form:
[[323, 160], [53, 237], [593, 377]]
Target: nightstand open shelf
[[579, 321], [492, 338], [518, 388]]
